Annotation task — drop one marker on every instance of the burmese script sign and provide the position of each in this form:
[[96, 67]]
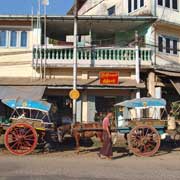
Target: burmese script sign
[[109, 77]]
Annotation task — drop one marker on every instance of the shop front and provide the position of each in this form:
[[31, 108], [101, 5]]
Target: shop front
[[95, 100], [99, 102]]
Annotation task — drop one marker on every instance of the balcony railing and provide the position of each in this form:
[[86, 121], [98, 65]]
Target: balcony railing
[[87, 57]]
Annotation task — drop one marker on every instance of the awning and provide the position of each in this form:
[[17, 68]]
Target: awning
[[26, 92], [174, 78], [27, 104], [143, 103], [176, 84], [60, 26], [169, 73], [63, 84]]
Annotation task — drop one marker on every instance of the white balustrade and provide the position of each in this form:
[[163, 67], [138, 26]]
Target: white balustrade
[[111, 55]]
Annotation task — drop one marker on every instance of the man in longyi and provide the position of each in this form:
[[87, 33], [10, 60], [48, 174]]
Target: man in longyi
[[106, 150]]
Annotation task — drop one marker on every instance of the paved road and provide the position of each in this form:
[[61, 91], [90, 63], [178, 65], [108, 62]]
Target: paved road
[[87, 166]]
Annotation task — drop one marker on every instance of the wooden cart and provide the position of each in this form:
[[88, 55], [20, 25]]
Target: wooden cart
[[143, 133], [27, 125]]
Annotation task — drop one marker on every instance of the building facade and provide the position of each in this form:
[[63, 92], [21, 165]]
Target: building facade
[[162, 37], [107, 42]]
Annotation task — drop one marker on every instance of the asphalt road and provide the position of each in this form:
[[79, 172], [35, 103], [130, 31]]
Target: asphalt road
[[87, 166]]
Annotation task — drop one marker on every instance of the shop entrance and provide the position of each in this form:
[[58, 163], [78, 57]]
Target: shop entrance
[[103, 104], [61, 109]]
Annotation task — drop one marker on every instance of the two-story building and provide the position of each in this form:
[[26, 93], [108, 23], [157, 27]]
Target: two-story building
[[106, 43], [23, 61]]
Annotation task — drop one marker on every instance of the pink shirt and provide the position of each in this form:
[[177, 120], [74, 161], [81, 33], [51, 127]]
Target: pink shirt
[[106, 123]]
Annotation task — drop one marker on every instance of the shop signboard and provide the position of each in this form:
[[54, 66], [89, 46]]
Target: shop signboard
[[109, 77]]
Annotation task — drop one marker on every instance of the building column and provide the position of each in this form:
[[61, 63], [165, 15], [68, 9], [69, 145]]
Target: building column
[[84, 107], [151, 84], [158, 94], [79, 110]]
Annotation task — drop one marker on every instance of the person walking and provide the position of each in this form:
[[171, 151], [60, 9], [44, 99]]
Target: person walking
[[106, 150]]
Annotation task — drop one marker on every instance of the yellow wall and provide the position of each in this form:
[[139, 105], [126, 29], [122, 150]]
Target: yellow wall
[[17, 62]]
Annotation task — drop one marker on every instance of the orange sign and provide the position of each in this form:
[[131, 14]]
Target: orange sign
[[109, 77], [74, 94]]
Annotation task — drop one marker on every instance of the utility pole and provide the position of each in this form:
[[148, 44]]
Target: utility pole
[[39, 34], [75, 58], [45, 3], [138, 95], [137, 63]]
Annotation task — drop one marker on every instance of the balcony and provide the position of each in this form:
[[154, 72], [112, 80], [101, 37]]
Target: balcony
[[91, 57]]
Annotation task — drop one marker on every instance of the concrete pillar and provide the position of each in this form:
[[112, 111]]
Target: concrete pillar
[[84, 107], [151, 90], [79, 110], [158, 94], [151, 84]]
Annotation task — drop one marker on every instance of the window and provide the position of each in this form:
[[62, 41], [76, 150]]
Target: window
[[174, 4], [129, 6], [141, 3], [167, 45], [2, 38], [160, 44], [134, 4], [13, 40], [175, 47], [160, 2], [24, 39], [170, 45], [111, 11], [167, 3]]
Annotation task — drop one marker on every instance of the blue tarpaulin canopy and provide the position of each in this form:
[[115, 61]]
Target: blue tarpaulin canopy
[[143, 103], [27, 104]]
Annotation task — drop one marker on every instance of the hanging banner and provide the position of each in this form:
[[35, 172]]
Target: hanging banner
[[109, 77]]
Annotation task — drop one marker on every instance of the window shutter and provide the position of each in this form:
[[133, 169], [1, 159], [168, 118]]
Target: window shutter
[[160, 44], [168, 45], [175, 51]]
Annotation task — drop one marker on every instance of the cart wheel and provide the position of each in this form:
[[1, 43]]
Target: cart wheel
[[20, 139], [144, 140]]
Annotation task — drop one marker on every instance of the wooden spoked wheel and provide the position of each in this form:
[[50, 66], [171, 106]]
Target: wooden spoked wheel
[[144, 140], [20, 139]]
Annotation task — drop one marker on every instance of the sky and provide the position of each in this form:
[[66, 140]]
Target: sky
[[56, 7]]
